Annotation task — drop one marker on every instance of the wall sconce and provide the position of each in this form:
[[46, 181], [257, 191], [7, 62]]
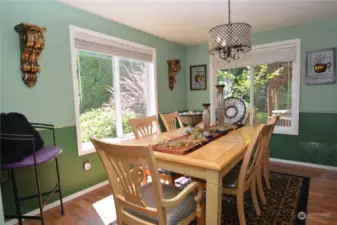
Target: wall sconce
[[31, 45], [173, 67]]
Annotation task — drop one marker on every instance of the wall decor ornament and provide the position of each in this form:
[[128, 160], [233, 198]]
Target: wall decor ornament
[[320, 66], [173, 67], [198, 78], [31, 44]]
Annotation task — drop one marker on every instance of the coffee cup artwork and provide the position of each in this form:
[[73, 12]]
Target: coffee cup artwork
[[321, 66], [198, 77]]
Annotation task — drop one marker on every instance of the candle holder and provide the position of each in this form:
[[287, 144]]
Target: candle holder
[[220, 109], [206, 120]]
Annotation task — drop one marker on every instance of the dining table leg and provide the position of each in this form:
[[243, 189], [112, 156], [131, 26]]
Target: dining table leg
[[213, 203]]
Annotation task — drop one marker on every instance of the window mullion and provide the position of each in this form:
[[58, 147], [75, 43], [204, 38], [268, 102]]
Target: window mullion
[[149, 97], [118, 107], [78, 64]]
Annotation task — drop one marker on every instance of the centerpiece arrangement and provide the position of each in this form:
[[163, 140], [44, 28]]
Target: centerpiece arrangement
[[194, 139], [190, 118], [197, 136]]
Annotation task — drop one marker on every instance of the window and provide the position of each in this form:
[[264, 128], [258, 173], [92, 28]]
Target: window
[[113, 81], [266, 79]]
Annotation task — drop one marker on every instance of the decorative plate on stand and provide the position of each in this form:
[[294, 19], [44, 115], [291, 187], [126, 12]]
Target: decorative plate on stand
[[235, 110]]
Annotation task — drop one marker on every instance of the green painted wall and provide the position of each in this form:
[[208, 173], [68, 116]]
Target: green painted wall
[[2, 220], [196, 55], [73, 178], [317, 140], [51, 100], [315, 35]]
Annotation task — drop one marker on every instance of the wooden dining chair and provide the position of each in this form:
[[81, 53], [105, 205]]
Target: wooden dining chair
[[266, 166], [265, 162], [249, 116], [148, 126], [153, 203], [170, 121], [242, 178]]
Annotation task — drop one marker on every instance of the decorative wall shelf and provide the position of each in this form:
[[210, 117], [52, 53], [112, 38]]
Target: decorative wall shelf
[[173, 67], [31, 44]]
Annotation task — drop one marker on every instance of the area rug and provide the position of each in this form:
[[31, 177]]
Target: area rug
[[287, 198]]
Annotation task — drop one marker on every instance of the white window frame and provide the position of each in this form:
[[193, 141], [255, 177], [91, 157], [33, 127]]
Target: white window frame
[[296, 74], [152, 82]]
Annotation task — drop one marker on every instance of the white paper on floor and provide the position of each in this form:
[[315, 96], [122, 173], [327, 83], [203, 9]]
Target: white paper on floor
[[106, 210]]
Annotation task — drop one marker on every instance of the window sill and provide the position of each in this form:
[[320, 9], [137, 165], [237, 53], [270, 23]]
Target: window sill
[[286, 130], [88, 148]]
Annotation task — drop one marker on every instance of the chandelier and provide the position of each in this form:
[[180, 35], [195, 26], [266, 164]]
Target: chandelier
[[230, 41]]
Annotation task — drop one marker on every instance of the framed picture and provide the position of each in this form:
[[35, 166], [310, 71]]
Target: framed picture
[[320, 66], [198, 77]]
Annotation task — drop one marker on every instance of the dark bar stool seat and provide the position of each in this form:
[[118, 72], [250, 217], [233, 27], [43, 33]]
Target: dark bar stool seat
[[46, 154], [43, 155]]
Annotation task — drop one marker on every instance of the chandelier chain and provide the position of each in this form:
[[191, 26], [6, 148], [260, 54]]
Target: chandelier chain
[[229, 11], [230, 41]]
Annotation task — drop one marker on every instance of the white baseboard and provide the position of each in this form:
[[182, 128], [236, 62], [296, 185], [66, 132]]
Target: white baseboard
[[331, 168], [57, 203]]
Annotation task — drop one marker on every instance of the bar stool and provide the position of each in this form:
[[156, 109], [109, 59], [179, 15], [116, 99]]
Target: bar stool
[[43, 155]]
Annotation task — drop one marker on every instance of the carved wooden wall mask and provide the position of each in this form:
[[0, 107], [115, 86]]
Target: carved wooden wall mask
[[174, 67], [31, 44]]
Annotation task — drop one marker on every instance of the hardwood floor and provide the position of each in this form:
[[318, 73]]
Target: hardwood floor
[[322, 199], [322, 195]]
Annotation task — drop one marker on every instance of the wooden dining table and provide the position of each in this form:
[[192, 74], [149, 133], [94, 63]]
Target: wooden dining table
[[210, 162]]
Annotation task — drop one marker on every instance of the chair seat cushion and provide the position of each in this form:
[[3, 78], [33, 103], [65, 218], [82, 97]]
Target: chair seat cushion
[[231, 179], [173, 215]]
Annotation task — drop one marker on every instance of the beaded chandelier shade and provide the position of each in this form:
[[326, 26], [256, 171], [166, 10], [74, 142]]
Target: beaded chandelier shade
[[230, 41]]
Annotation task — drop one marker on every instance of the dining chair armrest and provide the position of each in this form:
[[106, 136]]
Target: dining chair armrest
[[172, 202]]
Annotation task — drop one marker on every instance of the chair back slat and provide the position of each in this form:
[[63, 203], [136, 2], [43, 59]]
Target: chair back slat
[[273, 121], [123, 166], [254, 154], [143, 127], [170, 121], [249, 116]]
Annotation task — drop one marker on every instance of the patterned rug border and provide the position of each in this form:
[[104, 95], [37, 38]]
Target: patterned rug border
[[304, 196]]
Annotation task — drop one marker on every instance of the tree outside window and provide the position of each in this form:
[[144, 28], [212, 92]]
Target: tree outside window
[[272, 89]]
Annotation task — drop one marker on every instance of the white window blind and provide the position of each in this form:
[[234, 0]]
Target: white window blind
[[263, 55], [98, 44]]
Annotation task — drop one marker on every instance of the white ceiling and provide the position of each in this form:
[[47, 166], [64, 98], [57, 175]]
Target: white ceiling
[[188, 21]]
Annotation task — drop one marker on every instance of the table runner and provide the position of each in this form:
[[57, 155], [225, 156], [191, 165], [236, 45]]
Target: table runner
[[187, 149]]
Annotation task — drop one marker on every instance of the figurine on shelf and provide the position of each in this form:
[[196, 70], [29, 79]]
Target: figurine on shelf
[[206, 119]]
